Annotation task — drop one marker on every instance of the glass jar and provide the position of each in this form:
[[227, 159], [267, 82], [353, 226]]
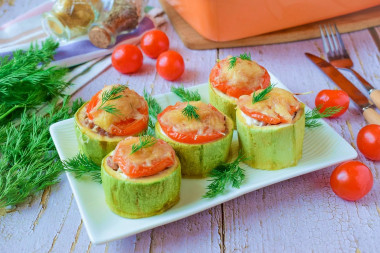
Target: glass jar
[[71, 18], [123, 16]]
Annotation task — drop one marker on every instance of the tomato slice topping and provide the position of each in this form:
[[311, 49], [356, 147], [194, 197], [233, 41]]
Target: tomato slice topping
[[222, 83], [210, 126], [121, 126], [146, 161], [279, 107]]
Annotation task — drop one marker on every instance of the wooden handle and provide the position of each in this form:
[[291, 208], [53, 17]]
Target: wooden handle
[[372, 116], [375, 96]]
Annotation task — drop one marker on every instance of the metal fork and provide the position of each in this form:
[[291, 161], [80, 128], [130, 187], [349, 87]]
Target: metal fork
[[337, 54]]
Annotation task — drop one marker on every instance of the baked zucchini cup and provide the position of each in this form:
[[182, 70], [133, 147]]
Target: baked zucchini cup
[[271, 131], [233, 77], [141, 177], [201, 143], [112, 114]]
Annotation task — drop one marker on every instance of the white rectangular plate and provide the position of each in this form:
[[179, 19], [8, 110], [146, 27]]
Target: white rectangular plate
[[322, 147]]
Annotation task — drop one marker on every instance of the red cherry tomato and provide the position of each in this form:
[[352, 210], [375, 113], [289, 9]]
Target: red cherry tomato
[[330, 98], [351, 180], [368, 141], [127, 59], [170, 65], [153, 43]]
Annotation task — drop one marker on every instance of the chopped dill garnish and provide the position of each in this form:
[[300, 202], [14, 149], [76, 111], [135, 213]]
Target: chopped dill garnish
[[311, 117], [154, 109], [186, 95], [144, 142], [233, 59], [190, 112], [224, 174], [80, 165], [262, 95], [109, 95]]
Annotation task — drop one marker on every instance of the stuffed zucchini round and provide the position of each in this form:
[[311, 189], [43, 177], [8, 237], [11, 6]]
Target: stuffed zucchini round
[[114, 113], [201, 143], [271, 131], [141, 177], [233, 77]]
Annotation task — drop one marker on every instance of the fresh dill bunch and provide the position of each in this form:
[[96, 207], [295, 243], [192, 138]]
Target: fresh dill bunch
[[28, 159], [190, 112], [110, 95], [154, 109], [243, 56], [225, 174], [80, 165], [26, 81], [311, 117], [186, 95], [262, 95], [144, 142]]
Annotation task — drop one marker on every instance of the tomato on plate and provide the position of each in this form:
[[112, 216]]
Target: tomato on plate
[[153, 43], [368, 141], [146, 161], [122, 128], [127, 59], [170, 65], [330, 98], [351, 180]]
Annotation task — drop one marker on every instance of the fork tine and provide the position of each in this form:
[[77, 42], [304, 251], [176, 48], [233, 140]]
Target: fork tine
[[329, 39], [325, 46], [332, 33], [339, 39]]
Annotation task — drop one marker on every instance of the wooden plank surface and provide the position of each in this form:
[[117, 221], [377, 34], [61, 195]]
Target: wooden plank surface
[[298, 215]]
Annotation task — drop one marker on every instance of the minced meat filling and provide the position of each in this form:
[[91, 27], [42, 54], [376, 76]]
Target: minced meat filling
[[112, 164], [97, 129]]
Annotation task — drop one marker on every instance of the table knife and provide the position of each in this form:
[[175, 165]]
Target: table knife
[[362, 101]]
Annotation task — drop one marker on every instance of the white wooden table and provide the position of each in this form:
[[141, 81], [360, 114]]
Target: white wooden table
[[298, 215]]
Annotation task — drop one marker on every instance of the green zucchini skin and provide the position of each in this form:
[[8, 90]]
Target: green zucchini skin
[[271, 147], [224, 103], [138, 198], [197, 160], [93, 145]]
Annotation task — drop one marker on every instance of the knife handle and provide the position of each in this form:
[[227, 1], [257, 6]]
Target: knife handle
[[375, 96], [371, 115]]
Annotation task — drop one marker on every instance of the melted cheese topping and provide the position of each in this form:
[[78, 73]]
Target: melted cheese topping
[[144, 157], [245, 74], [280, 104], [210, 119], [128, 106]]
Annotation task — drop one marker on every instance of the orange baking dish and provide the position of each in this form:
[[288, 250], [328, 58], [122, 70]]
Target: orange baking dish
[[224, 20]]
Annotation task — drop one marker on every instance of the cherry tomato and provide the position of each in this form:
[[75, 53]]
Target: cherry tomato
[[351, 180], [170, 65], [153, 43], [127, 59], [330, 98], [368, 141]]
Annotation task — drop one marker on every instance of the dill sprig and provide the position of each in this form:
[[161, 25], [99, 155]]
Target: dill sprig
[[224, 174], [144, 142], [311, 117], [154, 109], [110, 95], [243, 56], [27, 81], [28, 159], [190, 112], [80, 165], [262, 95], [186, 95]]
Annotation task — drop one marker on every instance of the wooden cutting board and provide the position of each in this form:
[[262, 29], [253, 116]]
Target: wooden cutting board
[[347, 23]]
